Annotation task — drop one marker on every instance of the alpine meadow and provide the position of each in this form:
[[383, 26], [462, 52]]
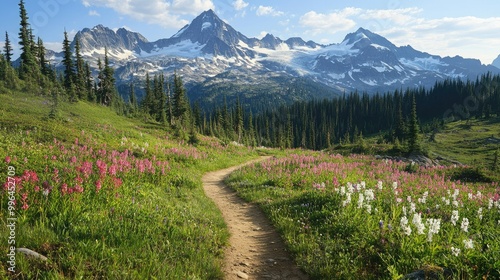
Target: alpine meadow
[[353, 160]]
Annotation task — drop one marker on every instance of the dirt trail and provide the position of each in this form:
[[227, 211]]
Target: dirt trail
[[256, 250]]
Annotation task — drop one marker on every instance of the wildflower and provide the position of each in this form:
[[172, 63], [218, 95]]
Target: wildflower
[[399, 200], [98, 186], [417, 221], [465, 224], [380, 185], [455, 203], [434, 226], [361, 200], [413, 208], [394, 185], [381, 224], [480, 213], [347, 200], [454, 217], [404, 226], [64, 189], [7, 159], [455, 251], [490, 203], [368, 208], [369, 195], [468, 244]]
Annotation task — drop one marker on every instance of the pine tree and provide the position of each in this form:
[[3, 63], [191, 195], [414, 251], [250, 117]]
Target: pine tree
[[413, 129], [132, 99], [162, 100], [108, 83], [8, 49], [28, 63], [80, 76], [181, 110], [68, 68]]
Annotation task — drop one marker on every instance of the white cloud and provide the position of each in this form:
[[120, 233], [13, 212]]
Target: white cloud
[[268, 11], [318, 23], [470, 37], [161, 12], [94, 13], [239, 5]]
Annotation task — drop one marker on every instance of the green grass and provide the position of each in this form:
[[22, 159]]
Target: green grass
[[320, 203], [139, 225]]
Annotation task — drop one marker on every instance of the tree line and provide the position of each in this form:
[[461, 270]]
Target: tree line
[[165, 101], [399, 116]]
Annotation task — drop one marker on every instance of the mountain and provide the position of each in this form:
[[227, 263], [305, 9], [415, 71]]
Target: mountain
[[211, 56], [496, 62]]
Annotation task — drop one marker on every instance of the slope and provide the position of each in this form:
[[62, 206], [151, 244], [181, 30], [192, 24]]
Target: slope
[[104, 196]]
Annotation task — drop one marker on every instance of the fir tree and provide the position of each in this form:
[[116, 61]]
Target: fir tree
[[181, 109], [68, 67], [8, 49], [80, 77], [413, 129], [28, 63], [132, 99]]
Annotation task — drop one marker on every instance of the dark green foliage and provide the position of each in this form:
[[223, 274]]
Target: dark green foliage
[[7, 49], [414, 129], [181, 107], [28, 68], [69, 71]]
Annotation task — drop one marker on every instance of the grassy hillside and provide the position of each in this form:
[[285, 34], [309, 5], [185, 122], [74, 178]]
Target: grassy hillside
[[106, 197]]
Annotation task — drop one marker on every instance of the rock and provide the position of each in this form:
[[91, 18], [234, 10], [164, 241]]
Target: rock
[[32, 254], [242, 275]]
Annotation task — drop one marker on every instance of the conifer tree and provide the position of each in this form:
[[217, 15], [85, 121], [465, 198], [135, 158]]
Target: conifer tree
[[147, 103], [132, 99], [181, 110], [109, 94], [68, 68], [28, 63], [413, 129], [80, 76], [8, 49]]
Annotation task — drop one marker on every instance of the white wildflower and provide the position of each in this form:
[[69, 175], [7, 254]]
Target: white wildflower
[[455, 194], [399, 200], [350, 188], [470, 196], [455, 203], [480, 213], [454, 217], [413, 208], [394, 185], [417, 221], [447, 202], [490, 203], [404, 210], [363, 185], [468, 244], [369, 195], [465, 224], [479, 195], [455, 251], [368, 208], [408, 198], [347, 200], [434, 226], [380, 185], [342, 190], [361, 200], [404, 226]]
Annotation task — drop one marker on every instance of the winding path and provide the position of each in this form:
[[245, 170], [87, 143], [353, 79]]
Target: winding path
[[256, 250]]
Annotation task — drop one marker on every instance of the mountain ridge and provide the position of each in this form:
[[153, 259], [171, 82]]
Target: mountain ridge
[[203, 50]]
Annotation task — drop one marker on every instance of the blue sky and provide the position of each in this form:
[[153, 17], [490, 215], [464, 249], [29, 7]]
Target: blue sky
[[467, 28]]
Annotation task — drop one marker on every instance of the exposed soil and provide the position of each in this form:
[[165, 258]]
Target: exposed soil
[[256, 250]]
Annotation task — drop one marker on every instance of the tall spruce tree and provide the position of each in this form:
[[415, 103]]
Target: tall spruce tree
[[8, 49], [80, 75], [414, 129], [69, 71], [181, 108], [109, 90], [28, 65]]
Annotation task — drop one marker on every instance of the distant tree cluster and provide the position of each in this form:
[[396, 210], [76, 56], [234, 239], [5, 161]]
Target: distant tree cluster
[[319, 124]]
